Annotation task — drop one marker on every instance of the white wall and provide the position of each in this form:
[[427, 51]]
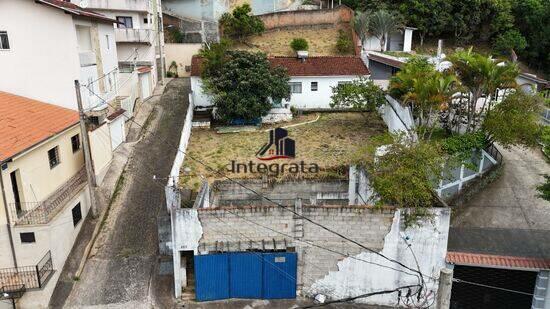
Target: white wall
[[43, 60], [308, 99]]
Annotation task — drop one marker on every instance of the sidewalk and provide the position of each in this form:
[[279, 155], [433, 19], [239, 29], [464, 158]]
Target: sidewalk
[[104, 194]]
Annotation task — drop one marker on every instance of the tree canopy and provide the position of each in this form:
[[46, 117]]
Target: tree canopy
[[360, 95], [240, 24]]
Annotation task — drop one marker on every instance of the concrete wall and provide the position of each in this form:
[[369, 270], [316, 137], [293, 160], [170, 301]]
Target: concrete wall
[[292, 19], [181, 54], [102, 153], [319, 270]]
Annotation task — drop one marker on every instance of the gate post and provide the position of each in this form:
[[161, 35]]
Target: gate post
[[444, 290]]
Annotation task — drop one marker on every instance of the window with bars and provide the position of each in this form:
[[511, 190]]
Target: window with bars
[[295, 87], [75, 143], [125, 22], [53, 157], [4, 41]]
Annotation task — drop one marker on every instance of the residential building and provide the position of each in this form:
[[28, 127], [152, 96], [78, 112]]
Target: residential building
[[138, 33], [60, 43], [45, 195], [400, 40], [311, 79]]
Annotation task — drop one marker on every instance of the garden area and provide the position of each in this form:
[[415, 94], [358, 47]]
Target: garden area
[[330, 140]]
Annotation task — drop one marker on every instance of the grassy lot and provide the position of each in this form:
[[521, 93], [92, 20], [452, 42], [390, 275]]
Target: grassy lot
[[329, 142], [322, 42]]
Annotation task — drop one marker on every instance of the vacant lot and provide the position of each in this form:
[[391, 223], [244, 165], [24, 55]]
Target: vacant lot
[[330, 142], [322, 42]]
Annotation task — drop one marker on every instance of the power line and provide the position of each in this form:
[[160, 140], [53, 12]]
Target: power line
[[457, 280], [279, 204]]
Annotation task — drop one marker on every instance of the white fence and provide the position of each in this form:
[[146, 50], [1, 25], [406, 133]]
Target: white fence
[[172, 196]]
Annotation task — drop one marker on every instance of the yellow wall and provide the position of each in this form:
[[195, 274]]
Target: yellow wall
[[100, 147], [181, 54]]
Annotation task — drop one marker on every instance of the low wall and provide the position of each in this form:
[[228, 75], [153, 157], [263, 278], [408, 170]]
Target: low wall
[[293, 19], [181, 54]]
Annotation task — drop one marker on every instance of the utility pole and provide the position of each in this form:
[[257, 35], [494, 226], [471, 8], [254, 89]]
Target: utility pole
[[444, 290], [87, 154]]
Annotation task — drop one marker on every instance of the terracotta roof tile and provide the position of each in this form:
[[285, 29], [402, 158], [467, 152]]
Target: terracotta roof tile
[[144, 69], [475, 259], [312, 66], [25, 122], [74, 9]]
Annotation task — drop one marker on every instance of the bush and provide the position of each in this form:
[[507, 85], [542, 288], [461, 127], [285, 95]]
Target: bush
[[509, 40], [240, 24], [299, 44], [344, 43]]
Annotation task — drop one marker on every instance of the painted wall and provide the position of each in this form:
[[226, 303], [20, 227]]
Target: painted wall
[[308, 99], [181, 54], [102, 153], [43, 61]]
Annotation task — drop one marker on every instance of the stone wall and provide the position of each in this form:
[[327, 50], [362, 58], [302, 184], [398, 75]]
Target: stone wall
[[295, 19]]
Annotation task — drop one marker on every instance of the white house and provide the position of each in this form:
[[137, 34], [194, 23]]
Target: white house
[[400, 40], [137, 33], [311, 79], [58, 43]]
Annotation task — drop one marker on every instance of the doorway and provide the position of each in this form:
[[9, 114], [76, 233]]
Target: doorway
[[14, 176]]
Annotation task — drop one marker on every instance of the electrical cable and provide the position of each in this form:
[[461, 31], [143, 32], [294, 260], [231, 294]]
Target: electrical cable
[[457, 280]]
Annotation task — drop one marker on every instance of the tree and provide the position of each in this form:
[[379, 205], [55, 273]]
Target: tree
[[299, 44], [359, 95], [544, 189], [344, 43], [240, 24], [431, 17], [508, 41], [514, 121], [244, 84], [382, 24], [213, 56], [360, 23], [480, 76]]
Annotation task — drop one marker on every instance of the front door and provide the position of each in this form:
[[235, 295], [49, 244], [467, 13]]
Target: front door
[[15, 189]]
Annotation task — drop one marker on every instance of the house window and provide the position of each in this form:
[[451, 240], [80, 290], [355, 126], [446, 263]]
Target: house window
[[124, 22], [107, 42], [314, 86], [53, 156], [145, 21], [4, 42], [27, 238], [77, 214], [75, 143], [295, 87]]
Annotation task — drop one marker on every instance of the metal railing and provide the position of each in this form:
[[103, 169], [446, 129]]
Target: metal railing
[[129, 35], [42, 212], [31, 277], [493, 151]]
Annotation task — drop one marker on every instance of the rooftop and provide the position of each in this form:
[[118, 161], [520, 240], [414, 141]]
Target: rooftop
[[26, 122], [475, 259], [71, 8], [312, 66]]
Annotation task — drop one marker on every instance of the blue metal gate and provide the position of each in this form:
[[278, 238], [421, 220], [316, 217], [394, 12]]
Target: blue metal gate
[[245, 275]]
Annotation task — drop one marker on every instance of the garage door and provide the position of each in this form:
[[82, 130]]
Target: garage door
[[117, 132], [145, 82], [245, 275]]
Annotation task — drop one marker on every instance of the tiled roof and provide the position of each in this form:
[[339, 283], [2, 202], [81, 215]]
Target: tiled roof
[[25, 122], [475, 259], [74, 9], [144, 69], [386, 60], [312, 66]]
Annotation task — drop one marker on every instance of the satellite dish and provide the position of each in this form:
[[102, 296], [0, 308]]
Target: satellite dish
[[84, 4]]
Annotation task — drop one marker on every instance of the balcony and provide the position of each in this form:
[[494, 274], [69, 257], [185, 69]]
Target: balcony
[[17, 279], [127, 35], [124, 5], [28, 213], [87, 58]]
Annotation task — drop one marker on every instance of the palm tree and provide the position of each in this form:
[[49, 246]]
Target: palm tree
[[382, 24], [360, 22]]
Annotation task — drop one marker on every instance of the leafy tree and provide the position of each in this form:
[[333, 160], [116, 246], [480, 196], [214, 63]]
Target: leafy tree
[[431, 17], [244, 84], [514, 121], [240, 24], [509, 40], [299, 44], [382, 24], [544, 189], [214, 56], [360, 23], [344, 44], [360, 95]]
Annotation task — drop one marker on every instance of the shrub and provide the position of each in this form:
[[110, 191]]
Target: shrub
[[240, 24], [509, 40], [344, 43], [299, 44]]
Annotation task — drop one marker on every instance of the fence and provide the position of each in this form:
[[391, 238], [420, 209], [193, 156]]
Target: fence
[[483, 161], [30, 277], [172, 196], [546, 115]]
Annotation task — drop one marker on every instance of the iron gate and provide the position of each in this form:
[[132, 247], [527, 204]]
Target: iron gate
[[245, 275]]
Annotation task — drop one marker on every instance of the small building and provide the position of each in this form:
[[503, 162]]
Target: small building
[[531, 83], [45, 194], [400, 40], [311, 79]]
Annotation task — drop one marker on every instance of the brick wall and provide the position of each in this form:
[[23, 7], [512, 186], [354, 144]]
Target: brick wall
[[292, 19], [237, 229]]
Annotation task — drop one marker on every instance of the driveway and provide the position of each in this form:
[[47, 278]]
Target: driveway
[[123, 271], [507, 217]]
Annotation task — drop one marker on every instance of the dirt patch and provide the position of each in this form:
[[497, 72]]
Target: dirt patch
[[329, 142]]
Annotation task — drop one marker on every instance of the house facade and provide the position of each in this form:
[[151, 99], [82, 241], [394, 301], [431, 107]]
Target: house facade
[[42, 63], [311, 80], [137, 36], [45, 195]]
